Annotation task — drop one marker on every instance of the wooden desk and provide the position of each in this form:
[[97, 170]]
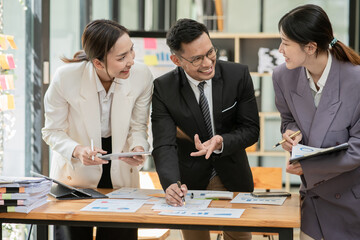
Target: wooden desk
[[256, 218]]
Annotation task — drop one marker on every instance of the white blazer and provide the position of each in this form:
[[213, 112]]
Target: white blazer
[[72, 117]]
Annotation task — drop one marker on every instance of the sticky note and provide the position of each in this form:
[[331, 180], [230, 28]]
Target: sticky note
[[10, 81], [10, 100], [150, 43], [11, 41], [150, 60], [3, 102], [3, 82], [3, 62], [10, 60], [3, 44]]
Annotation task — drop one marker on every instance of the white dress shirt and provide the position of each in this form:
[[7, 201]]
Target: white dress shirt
[[321, 83], [208, 94], [105, 101]]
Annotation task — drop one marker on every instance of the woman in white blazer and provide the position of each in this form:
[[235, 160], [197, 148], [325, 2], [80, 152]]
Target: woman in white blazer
[[101, 95]]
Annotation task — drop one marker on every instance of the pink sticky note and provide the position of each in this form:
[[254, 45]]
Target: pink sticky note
[[150, 43], [10, 61], [3, 82]]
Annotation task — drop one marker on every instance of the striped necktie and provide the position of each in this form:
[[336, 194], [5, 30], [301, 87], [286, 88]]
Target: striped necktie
[[204, 106]]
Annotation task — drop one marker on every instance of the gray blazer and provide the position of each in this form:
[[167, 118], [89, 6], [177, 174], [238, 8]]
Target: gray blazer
[[331, 183]]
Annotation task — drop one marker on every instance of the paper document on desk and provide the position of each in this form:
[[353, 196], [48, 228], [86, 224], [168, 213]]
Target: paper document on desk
[[116, 156], [114, 205], [134, 193], [247, 198], [191, 204], [209, 212]]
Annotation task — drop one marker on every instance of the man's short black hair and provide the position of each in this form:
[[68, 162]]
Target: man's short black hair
[[184, 31]]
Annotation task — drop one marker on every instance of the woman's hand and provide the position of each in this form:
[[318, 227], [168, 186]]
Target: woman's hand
[[135, 160], [87, 156], [289, 142], [294, 168]]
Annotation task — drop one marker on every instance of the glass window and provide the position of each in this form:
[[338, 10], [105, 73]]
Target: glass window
[[65, 32], [14, 148]]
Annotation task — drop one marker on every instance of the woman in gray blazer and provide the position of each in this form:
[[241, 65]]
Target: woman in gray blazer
[[102, 96], [317, 92]]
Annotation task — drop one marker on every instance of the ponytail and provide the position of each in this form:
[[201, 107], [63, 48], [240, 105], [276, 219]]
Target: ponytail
[[78, 57], [344, 53]]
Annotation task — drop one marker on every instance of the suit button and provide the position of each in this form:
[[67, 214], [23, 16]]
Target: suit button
[[337, 195], [69, 178], [315, 197], [131, 170]]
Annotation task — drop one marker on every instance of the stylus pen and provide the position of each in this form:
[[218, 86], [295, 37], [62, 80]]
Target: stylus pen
[[92, 149], [291, 136], [179, 185]]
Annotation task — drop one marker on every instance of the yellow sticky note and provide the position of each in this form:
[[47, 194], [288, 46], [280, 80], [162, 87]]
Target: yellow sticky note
[[3, 62], [11, 41], [150, 60], [3, 44], [11, 103]]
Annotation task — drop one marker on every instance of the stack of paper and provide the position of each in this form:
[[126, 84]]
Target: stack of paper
[[22, 194]]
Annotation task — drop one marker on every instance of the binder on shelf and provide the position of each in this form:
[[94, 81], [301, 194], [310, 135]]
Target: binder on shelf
[[63, 191]]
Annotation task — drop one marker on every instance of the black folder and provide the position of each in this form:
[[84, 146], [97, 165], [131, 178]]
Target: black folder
[[62, 191]]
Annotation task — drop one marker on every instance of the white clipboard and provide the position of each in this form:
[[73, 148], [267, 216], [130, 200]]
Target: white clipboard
[[116, 156], [320, 151]]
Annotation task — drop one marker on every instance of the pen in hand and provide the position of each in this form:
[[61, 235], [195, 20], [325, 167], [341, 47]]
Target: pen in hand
[[183, 197], [92, 149], [291, 136]]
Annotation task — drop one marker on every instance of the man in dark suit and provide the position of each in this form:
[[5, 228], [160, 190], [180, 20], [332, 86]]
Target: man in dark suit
[[204, 115]]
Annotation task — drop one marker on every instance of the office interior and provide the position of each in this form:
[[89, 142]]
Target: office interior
[[46, 30]]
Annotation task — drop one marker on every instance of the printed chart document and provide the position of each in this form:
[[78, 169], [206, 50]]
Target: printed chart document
[[116, 156], [301, 152], [247, 198], [210, 212], [114, 205], [191, 204]]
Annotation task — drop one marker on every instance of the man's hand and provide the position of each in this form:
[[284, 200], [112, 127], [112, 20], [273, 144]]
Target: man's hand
[[173, 194], [135, 160], [290, 142], [208, 147], [84, 154]]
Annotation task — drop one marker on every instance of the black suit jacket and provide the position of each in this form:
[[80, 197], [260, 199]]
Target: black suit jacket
[[176, 117]]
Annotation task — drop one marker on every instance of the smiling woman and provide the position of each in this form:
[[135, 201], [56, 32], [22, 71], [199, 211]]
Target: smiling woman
[[317, 93], [102, 96]]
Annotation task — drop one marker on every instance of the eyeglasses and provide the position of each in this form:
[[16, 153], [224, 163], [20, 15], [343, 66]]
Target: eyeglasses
[[197, 61]]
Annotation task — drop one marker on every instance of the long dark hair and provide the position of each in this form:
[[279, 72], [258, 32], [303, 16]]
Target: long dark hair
[[310, 23], [98, 38]]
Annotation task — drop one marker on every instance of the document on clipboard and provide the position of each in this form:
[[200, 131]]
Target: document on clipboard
[[116, 156], [301, 152]]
